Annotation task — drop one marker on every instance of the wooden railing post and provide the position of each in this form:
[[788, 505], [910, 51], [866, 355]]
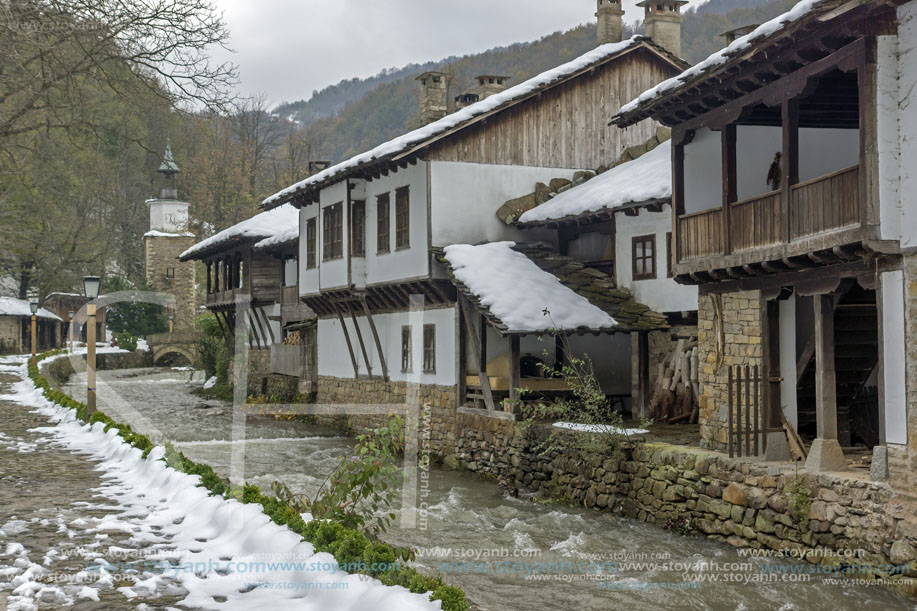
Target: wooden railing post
[[790, 162], [730, 189]]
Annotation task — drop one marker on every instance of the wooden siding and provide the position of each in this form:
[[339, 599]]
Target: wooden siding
[[825, 203], [264, 276], [567, 126], [286, 360]]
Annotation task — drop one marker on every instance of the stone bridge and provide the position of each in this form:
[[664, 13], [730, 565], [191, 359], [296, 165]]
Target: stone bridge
[[176, 348]]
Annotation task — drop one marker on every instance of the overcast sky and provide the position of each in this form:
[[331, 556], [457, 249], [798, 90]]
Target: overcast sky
[[289, 48]]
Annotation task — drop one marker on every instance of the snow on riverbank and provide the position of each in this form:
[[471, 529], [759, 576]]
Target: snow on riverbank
[[224, 554]]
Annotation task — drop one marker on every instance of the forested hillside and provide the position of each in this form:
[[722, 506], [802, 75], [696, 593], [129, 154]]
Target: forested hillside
[[354, 115]]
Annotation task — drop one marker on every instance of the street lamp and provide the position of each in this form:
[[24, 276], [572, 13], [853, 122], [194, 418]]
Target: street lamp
[[91, 285], [171, 322], [70, 330], [34, 307]]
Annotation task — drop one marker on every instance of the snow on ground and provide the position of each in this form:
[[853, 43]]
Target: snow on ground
[[222, 553], [646, 178], [519, 293], [598, 428]]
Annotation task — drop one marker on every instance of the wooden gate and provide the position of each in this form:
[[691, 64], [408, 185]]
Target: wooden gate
[[744, 417]]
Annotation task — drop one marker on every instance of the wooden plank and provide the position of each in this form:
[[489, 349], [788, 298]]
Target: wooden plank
[[375, 332], [867, 77], [467, 309], [730, 186], [825, 379], [729, 407], [790, 122], [353, 358], [515, 373], [356, 326]]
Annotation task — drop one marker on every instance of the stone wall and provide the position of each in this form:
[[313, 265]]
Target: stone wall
[[442, 422], [910, 317], [161, 254], [736, 319], [10, 335], [683, 488]]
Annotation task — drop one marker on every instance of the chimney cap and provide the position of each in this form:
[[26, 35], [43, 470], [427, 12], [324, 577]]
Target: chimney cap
[[734, 33], [426, 75], [650, 3]]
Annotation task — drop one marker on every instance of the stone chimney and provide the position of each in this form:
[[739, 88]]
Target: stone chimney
[[611, 21], [489, 84], [662, 21], [434, 101], [466, 99], [731, 35]]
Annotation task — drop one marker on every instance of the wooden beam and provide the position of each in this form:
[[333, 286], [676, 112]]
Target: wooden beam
[[728, 139], [372, 326], [466, 309], [678, 197], [515, 370], [867, 78], [356, 326], [353, 358], [641, 400], [790, 120], [825, 379]]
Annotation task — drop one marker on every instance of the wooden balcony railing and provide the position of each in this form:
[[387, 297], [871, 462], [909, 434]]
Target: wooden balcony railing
[[700, 234], [755, 222], [824, 203]]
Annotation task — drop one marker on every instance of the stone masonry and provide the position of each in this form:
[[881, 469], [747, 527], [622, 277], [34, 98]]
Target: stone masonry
[[442, 400], [728, 500], [730, 333], [164, 273]]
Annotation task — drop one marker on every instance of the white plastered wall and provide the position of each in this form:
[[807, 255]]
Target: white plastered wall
[[894, 356], [703, 171]]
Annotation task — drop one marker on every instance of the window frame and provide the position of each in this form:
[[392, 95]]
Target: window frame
[[383, 223], [312, 243], [669, 258], [333, 232], [402, 215], [407, 356], [358, 228], [429, 351], [644, 239]]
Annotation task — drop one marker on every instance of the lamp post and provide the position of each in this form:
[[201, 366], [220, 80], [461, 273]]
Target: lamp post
[[91, 286], [171, 322], [33, 306], [70, 331]]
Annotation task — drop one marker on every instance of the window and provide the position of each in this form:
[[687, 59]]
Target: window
[[333, 236], [239, 273], [310, 244], [402, 218], [209, 277], [406, 349], [290, 271], [383, 224], [669, 255], [170, 273], [358, 229], [644, 257], [429, 348]]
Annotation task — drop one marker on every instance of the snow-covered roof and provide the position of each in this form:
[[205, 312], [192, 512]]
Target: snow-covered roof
[[163, 234], [715, 60], [518, 293], [259, 227], [646, 178], [283, 238], [10, 306], [469, 113]]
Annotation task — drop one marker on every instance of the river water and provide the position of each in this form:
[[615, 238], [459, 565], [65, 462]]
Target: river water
[[594, 560]]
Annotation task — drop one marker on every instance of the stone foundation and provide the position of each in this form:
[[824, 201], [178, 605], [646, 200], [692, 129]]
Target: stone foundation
[[736, 319], [728, 500], [442, 399]]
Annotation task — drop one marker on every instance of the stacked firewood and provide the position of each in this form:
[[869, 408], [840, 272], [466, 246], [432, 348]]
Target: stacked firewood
[[675, 397]]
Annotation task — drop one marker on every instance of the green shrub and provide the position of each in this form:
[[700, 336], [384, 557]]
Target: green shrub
[[126, 341]]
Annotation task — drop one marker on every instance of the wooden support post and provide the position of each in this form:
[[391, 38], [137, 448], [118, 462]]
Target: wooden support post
[[867, 77], [678, 195], [90, 358], [790, 162], [356, 326], [353, 358], [462, 364], [267, 325], [825, 379], [559, 356], [730, 188], [641, 399], [729, 428], [515, 370], [476, 351], [372, 326], [825, 453], [483, 344]]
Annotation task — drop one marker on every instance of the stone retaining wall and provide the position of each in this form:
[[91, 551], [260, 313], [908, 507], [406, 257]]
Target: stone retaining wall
[[376, 391], [728, 500]]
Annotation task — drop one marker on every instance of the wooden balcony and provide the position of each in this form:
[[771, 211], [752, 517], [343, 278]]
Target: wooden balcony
[[223, 298], [819, 210]]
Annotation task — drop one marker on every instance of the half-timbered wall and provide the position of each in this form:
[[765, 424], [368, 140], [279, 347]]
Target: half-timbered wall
[[466, 196], [661, 294], [567, 126], [334, 357]]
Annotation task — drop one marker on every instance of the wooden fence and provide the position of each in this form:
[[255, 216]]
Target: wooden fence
[[744, 417]]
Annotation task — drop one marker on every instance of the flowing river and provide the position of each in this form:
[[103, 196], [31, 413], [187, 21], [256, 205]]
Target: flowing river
[[594, 560]]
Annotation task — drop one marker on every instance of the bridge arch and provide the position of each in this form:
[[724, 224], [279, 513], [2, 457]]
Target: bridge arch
[[173, 356]]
